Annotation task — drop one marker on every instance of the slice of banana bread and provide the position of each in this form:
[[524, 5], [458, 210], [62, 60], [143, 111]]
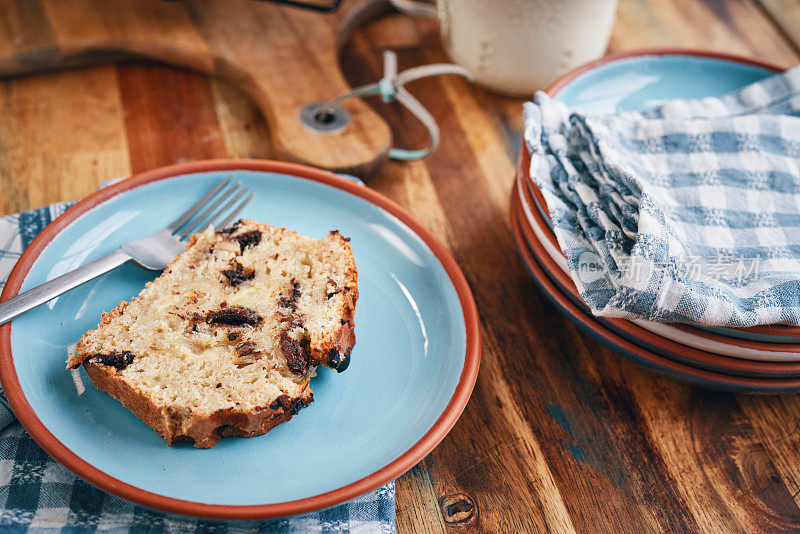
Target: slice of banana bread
[[225, 341]]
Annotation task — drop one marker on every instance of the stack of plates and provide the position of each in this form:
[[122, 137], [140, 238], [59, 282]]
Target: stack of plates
[[754, 360]]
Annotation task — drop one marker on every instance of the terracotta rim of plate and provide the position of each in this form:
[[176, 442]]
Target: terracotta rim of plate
[[631, 330], [561, 83], [767, 347], [634, 332], [719, 338], [634, 352], [400, 465]]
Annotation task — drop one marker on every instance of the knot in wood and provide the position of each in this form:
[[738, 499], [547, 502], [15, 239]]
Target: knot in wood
[[458, 508]]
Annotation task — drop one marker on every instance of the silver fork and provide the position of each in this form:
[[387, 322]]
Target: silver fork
[[153, 252]]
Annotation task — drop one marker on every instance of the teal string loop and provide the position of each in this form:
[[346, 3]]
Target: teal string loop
[[391, 87]]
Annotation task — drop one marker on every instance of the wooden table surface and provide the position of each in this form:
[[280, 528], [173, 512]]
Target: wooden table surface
[[560, 434]]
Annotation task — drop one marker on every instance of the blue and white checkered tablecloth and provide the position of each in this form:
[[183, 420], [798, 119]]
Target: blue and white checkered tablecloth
[[687, 213], [37, 494]]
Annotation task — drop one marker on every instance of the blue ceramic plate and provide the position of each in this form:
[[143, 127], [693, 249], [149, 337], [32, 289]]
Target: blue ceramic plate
[[643, 80], [411, 372]]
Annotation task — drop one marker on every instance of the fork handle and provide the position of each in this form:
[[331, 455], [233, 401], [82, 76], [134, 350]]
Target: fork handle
[[61, 284]]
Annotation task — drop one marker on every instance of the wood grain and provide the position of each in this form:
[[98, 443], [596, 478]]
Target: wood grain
[[61, 135], [734, 26], [560, 434], [155, 101], [785, 15]]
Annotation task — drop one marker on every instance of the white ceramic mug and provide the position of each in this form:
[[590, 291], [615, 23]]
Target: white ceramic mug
[[519, 46]]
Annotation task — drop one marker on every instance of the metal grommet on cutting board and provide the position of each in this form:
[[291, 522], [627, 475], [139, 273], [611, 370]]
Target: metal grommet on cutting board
[[324, 117]]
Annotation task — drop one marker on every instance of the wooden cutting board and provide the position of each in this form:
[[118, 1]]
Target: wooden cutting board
[[282, 57]]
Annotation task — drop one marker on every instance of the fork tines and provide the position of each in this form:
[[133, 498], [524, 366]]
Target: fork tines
[[210, 209]]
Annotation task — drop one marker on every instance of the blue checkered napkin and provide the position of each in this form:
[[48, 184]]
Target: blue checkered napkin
[[37, 494], [689, 212]]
